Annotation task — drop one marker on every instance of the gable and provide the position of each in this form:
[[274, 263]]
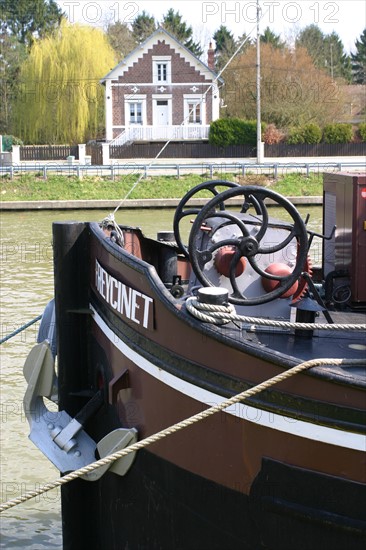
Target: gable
[[141, 70], [186, 67]]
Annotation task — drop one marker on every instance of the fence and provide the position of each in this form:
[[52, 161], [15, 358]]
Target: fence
[[190, 149], [102, 154], [95, 151], [206, 169], [205, 150], [48, 152], [164, 133], [314, 150]]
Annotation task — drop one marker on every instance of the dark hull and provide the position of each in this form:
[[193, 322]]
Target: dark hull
[[284, 470], [287, 508]]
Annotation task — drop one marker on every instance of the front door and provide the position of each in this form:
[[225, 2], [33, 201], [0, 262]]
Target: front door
[[162, 112]]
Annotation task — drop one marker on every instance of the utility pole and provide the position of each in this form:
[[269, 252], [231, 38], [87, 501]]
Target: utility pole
[[331, 60], [258, 65]]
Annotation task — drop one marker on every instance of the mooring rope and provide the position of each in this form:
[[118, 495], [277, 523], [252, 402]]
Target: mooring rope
[[20, 329], [224, 314], [177, 427]]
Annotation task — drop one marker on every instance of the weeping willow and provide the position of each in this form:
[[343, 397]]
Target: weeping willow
[[60, 99]]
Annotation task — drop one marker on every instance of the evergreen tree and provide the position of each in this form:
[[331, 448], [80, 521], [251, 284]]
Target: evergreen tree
[[29, 19], [247, 43], [312, 39], [269, 37], [142, 26], [326, 51], [358, 60], [225, 46], [61, 99], [172, 22], [337, 62]]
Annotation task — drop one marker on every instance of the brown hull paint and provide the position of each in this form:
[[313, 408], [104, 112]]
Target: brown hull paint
[[224, 449]]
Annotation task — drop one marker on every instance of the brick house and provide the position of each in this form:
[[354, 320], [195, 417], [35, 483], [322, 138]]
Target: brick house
[[161, 91]]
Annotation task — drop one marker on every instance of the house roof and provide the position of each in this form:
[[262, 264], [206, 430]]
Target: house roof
[[133, 56]]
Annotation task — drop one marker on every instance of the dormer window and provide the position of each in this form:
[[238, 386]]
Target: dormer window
[[161, 69]]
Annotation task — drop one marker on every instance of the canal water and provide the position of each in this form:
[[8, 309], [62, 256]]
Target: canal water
[[26, 287]]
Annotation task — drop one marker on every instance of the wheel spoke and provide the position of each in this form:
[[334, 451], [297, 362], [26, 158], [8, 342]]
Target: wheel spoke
[[248, 244]]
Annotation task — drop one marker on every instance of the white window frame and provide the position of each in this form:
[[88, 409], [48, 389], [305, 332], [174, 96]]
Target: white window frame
[[190, 99], [135, 98], [158, 61], [134, 117]]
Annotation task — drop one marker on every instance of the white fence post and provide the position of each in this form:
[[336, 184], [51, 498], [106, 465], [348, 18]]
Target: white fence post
[[15, 156], [82, 151], [105, 153]]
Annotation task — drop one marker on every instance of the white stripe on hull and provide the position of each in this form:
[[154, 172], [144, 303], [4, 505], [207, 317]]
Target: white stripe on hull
[[261, 417]]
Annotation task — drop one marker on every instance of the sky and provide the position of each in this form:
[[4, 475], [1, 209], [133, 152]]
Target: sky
[[346, 17]]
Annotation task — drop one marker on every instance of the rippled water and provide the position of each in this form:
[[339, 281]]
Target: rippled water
[[26, 287]]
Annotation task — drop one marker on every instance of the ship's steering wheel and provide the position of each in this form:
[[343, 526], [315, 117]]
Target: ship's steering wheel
[[181, 212], [248, 245]]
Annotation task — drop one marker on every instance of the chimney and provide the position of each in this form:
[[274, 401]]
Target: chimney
[[211, 57]]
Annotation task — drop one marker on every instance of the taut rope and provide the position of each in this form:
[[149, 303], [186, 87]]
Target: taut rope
[[177, 427]]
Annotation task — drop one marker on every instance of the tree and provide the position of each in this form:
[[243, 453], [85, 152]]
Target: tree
[[312, 38], [142, 26], [246, 42], [337, 62], [358, 60], [269, 37], [293, 91], [29, 19], [225, 46], [326, 51], [121, 39], [61, 99], [172, 22], [13, 53]]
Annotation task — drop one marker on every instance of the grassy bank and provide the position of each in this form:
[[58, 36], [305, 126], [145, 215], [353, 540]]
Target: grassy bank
[[29, 187]]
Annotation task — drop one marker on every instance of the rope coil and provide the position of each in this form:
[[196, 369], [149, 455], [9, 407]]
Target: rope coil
[[224, 314], [177, 427]]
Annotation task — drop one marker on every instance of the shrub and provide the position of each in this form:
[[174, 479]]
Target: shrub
[[233, 131], [295, 136], [309, 133], [221, 132], [312, 133], [245, 132], [338, 133], [362, 130], [273, 135]]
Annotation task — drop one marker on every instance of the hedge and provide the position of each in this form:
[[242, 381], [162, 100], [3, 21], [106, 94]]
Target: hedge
[[337, 133], [362, 130], [309, 133], [233, 131]]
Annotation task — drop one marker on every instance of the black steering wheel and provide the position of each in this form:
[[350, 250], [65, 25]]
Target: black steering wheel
[[249, 243], [181, 212]]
